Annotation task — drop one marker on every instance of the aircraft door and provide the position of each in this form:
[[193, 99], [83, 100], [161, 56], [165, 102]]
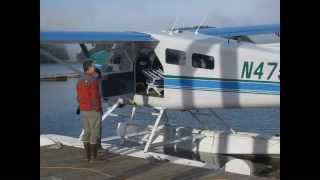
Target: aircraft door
[[117, 77]]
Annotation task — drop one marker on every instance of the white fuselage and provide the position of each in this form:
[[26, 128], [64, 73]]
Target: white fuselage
[[244, 74]]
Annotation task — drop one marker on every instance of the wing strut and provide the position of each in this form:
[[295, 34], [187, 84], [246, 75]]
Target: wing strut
[[84, 50]]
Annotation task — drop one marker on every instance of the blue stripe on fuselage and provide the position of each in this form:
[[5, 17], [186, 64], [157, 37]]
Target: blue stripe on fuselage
[[222, 85]]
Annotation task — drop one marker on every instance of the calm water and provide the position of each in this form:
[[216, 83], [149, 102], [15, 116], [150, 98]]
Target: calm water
[[58, 112]]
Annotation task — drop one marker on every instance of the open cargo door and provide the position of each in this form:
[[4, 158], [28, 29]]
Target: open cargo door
[[118, 79]]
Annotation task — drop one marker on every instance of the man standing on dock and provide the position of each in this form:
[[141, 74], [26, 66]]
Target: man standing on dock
[[98, 76], [88, 96]]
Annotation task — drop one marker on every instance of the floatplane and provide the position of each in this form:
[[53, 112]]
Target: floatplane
[[186, 69]]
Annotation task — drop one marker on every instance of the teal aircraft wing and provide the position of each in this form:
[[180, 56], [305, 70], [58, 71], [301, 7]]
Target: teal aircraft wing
[[92, 37]]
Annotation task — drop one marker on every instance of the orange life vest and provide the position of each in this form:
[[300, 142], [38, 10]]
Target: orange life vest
[[88, 94]]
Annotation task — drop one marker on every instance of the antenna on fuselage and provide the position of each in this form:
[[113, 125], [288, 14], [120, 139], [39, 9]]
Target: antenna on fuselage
[[173, 26], [197, 30]]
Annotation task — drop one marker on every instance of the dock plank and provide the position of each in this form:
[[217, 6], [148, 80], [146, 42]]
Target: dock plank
[[69, 163]]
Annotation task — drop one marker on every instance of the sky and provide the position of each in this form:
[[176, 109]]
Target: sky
[[152, 15]]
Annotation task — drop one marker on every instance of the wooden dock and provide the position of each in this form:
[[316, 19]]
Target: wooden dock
[[68, 163]]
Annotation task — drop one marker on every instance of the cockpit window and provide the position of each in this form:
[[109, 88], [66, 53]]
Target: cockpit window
[[202, 61], [175, 57]]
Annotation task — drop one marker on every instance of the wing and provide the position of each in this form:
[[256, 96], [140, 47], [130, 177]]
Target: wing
[[242, 31], [92, 37], [82, 37]]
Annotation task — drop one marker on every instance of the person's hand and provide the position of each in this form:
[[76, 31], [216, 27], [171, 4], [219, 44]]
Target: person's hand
[[78, 110]]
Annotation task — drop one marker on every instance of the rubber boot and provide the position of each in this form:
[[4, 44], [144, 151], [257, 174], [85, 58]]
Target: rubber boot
[[87, 150], [94, 150]]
